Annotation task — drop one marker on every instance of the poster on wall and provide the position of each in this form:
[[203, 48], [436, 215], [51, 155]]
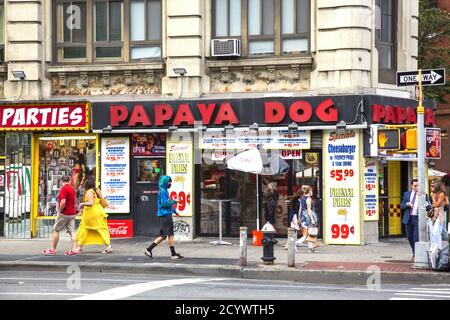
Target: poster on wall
[[180, 167], [115, 175], [370, 190], [342, 191], [148, 144], [433, 143]]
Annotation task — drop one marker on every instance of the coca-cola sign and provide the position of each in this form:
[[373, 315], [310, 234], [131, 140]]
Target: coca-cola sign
[[120, 228]]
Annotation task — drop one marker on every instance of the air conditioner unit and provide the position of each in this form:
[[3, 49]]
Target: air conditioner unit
[[226, 48]]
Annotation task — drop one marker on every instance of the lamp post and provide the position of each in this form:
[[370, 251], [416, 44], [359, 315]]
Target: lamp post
[[421, 247]]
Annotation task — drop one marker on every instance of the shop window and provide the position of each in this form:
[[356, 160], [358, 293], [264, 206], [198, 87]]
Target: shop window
[[270, 27], [70, 156], [17, 185]]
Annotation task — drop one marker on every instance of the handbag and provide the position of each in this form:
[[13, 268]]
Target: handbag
[[313, 231], [430, 212], [294, 223], [103, 201]]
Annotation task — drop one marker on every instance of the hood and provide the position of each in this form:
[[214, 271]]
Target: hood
[[164, 182]]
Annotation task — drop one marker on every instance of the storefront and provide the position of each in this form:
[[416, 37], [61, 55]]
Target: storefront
[[40, 144]]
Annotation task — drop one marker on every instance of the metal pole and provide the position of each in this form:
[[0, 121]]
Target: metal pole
[[220, 221], [421, 247], [292, 238], [243, 245]]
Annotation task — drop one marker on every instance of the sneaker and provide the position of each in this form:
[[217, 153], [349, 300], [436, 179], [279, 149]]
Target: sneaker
[[177, 257], [48, 252], [148, 254]]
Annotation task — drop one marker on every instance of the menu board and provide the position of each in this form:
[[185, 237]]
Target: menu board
[[116, 173], [180, 168], [265, 138], [370, 190], [342, 191]]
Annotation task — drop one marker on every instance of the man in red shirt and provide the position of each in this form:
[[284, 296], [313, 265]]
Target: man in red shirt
[[65, 218]]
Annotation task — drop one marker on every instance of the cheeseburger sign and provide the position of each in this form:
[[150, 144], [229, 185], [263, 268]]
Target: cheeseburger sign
[[44, 117]]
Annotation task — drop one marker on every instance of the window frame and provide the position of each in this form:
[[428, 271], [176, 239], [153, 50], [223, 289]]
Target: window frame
[[125, 44], [147, 42], [277, 37], [2, 44], [388, 75]]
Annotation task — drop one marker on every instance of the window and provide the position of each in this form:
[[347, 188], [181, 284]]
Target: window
[[386, 39], [108, 30], [266, 27], [2, 32]]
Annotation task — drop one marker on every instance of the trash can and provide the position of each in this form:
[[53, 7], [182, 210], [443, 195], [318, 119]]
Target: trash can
[[257, 237]]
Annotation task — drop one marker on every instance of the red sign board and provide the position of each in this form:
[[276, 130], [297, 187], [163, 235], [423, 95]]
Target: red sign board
[[44, 117], [120, 228]]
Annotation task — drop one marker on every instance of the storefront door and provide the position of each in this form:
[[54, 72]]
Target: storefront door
[[145, 175]]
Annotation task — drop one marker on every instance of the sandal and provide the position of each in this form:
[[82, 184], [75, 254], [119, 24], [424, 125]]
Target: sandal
[[107, 250], [71, 253], [48, 252]]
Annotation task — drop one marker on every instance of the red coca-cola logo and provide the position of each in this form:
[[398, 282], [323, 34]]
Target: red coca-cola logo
[[120, 228]]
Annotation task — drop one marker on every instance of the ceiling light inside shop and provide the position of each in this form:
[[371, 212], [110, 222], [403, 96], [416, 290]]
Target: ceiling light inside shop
[[68, 138]]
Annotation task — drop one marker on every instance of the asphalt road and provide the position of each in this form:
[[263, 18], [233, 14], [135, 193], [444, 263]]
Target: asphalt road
[[114, 286]]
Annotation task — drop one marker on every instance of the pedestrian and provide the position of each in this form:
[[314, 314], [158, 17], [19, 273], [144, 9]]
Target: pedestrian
[[295, 209], [271, 203], [165, 211], [309, 219], [94, 224], [436, 223], [410, 207], [65, 218]]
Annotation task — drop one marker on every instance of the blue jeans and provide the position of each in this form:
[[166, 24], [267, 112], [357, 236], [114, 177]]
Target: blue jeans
[[412, 231]]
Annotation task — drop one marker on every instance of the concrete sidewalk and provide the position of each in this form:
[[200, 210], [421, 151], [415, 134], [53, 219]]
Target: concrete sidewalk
[[332, 264]]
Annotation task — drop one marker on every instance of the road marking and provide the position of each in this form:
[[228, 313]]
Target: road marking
[[408, 299], [422, 295], [83, 279], [40, 294], [134, 289], [424, 291]]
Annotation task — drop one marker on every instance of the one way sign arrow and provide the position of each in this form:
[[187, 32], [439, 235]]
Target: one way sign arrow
[[430, 77]]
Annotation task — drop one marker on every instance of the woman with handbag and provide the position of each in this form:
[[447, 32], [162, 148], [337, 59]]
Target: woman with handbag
[[94, 225], [436, 223], [310, 220], [295, 211]]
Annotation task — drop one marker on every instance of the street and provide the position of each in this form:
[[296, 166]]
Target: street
[[43, 285]]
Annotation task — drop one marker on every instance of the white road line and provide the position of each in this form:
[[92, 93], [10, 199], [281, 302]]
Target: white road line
[[40, 294], [433, 289], [134, 289], [425, 291], [82, 279], [408, 299], [422, 295]]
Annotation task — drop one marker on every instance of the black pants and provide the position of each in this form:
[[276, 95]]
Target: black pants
[[412, 231]]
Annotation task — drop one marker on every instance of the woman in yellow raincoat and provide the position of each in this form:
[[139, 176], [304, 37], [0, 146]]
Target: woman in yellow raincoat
[[94, 226]]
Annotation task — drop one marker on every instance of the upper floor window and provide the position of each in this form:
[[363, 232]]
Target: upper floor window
[[108, 30], [2, 31], [266, 27], [386, 39]]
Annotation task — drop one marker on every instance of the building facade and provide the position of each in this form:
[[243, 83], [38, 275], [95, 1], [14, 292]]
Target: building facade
[[315, 79]]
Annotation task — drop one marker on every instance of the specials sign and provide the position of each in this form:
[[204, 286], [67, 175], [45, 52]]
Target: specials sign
[[370, 190], [44, 117], [180, 167], [342, 192]]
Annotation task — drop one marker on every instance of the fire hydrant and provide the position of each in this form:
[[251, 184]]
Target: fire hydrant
[[268, 242]]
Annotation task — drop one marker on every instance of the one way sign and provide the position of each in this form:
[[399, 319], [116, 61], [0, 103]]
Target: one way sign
[[430, 77]]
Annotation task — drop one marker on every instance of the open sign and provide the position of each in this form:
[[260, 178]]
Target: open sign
[[291, 154]]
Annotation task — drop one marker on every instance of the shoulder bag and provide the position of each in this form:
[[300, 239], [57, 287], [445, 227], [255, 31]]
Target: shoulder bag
[[103, 201]]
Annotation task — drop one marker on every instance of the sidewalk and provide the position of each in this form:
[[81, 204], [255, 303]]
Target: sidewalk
[[332, 264]]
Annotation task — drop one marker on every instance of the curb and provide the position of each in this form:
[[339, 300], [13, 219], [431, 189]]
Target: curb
[[229, 271]]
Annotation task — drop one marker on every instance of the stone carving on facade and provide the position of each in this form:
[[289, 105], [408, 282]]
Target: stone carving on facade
[[295, 72], [225, 74], [248, 75], [150, 77], [84, 79], [62, 79], [128, 78], [106, 79], [271, 73]]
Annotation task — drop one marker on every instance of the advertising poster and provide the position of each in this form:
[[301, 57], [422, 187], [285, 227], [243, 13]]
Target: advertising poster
[[180, 167], [267, 139], [148, 144], [342, 191], [433, 143], [370, 190], [116, 173]]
